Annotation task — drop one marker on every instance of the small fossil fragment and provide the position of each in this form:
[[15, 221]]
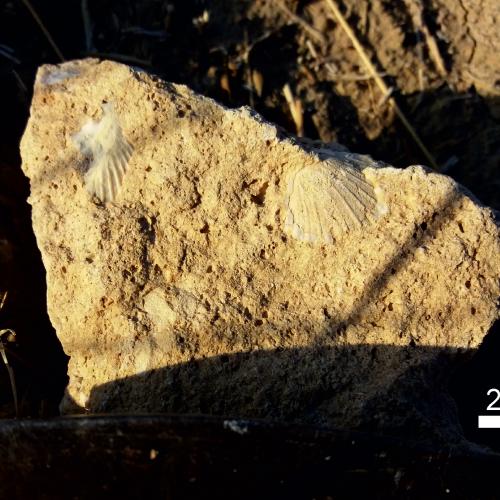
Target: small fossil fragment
[[103, 142], [58, 75], [329, 199]]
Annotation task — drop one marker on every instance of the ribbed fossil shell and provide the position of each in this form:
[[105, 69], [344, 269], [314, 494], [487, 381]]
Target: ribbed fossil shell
[[329, 199], [103, 142]]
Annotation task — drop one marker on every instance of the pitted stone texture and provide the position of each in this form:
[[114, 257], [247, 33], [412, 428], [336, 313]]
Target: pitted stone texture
[[187, 293]]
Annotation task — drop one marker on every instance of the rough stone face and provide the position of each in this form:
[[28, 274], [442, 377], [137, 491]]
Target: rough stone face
[[198, 260]]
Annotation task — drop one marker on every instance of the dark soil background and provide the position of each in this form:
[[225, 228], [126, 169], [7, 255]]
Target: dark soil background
[[440, 57]]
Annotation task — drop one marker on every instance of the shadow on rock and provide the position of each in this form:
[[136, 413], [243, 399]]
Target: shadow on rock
[[375, 388]]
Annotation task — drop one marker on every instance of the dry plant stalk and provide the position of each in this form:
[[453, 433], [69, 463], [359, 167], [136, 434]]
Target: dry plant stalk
[[87, 25], [9, 368], [45, 31], [248, 69], [224, 84], [386, 91], [313, 32], [417, 13], [8, 334], [296, 110], [258, 81], [4, 298]]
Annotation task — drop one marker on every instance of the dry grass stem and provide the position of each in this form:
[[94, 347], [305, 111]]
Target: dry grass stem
[[224, 84], [312, 49], [8, 333], [87, 25], [346, 77], [248, 70], [49, 38], [333, 72], [12, 379], [296, 110], [380, 82], [7, 52], [3, 299], [313, 32], [417, 13], [258, 81]]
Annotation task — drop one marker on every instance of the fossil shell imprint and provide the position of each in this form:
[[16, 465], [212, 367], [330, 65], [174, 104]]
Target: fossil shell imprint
[[329, 199], [103, 142]]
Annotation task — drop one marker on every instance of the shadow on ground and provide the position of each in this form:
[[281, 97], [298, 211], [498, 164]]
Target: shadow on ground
[[399, 391]]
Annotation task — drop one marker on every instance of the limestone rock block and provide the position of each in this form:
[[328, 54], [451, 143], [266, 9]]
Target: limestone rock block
[[200, 260]]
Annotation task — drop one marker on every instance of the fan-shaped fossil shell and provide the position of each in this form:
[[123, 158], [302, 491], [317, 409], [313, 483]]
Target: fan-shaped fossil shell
[[103, 142], [329, 199]]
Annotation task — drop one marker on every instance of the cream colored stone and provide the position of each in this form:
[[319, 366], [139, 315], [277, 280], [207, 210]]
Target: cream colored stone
[[188, 292]]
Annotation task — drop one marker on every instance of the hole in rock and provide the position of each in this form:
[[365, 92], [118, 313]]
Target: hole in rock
[[260, 197]]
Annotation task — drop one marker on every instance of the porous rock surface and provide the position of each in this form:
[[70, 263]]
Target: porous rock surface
[[191, 290]]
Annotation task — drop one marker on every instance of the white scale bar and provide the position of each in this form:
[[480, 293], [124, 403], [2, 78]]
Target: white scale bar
[[489, 422]]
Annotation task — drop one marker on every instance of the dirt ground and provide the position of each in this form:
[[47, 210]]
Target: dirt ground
[[439, 58]]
